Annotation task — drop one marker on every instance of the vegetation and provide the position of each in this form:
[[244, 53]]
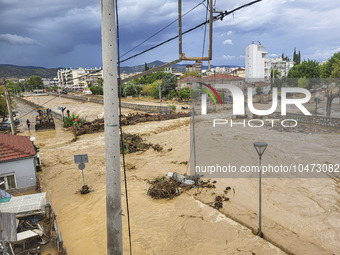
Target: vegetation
[[23, 72], [34, 82], [184, 93], [74, 120], [307, 69], [190, 74]]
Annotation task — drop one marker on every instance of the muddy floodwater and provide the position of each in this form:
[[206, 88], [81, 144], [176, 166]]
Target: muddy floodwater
[[300, 216]]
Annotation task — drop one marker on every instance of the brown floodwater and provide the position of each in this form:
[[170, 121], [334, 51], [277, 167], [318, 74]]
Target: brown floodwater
[[306, 209]]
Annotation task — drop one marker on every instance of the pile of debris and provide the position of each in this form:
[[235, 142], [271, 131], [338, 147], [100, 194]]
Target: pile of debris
[[164, 188], [133, 143], [130, 119], [173, 185]]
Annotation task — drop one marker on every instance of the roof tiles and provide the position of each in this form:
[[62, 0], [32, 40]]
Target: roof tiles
[[15, 147]]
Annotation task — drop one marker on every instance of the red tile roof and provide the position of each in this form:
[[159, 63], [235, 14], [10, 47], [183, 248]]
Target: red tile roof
[[15, 147], [220, 76]]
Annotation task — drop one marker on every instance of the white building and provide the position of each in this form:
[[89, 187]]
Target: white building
[[279, 64], [255, 61], [258, 66], [78, 78]]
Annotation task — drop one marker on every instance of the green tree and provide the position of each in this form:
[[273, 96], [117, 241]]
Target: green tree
[[147, 90], [169, 83], [146, 67], [307, 69], [327, 68], [154, 89], [129, 89], [100, 82], [336, 69], [34, 82], [184, 93], [2, 101]]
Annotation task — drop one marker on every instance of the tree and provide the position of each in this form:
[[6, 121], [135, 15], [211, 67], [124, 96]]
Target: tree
[[327, 68], [307, 69], [35, 82], [296, 57], [155, 89], [2, 101], [169, 83], [184, 93], [277, 74], [147, 90], [100, 82], [129, 89], [146, 67], [336, 69]]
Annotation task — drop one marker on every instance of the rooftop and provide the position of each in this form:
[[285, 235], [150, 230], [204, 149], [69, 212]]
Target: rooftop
[[15, 147]]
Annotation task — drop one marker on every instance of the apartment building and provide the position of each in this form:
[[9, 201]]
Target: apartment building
[[79, 78]]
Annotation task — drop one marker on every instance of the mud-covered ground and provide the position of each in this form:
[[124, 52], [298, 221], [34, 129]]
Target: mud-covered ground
[[301, 216]]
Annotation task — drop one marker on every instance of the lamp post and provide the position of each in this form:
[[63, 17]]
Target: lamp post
[[260, 148]]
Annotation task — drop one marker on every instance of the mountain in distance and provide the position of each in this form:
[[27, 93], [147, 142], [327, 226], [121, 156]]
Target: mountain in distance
[[24, 72]]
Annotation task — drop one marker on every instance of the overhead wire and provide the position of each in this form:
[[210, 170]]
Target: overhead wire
[[162, 29], [120, 126], [217, 17]]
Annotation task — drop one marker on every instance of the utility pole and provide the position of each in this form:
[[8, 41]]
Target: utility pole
[[8, 100], [111, 117]]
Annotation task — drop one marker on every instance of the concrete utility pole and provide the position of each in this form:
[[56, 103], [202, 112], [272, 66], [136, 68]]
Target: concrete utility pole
[[9, 107], [111, 117]]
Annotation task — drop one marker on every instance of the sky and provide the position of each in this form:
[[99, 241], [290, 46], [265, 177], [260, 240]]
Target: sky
[[64, 33]]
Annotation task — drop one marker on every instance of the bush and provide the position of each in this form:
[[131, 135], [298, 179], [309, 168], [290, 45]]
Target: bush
[[172, 94], [184, 93], [173, 107], [147, 90], [70, 121], [129, 90]]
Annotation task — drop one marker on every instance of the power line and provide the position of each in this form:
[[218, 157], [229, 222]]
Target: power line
[[217, 17], [121, 128], [35, 109], [162, 29]]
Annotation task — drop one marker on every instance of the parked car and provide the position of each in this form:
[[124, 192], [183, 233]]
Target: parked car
[[6, 124]]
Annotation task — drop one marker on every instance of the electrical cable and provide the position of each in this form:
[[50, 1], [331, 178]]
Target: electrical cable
[[121, 129], [217, 17], [35, 109], [162, 29]]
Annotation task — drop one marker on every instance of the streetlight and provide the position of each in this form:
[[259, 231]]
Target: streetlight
[[260, 148]]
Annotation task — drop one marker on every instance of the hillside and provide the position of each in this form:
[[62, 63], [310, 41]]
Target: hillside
[[22, 72]]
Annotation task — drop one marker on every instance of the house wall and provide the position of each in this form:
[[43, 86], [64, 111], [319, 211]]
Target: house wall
[[24, 171]]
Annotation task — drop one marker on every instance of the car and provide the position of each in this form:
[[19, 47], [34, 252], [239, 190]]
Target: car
[[6, 124]]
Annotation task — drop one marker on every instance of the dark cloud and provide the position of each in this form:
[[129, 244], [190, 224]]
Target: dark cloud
[[68, 33]]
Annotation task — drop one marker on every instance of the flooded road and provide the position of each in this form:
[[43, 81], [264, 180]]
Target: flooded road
[[300, 215]]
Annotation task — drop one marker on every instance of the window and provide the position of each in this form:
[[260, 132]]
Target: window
[[7, 182]]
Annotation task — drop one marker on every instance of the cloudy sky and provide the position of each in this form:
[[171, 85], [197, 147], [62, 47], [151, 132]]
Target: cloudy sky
[[64, 33]]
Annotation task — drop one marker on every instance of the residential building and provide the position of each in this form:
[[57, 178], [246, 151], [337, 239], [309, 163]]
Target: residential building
[[258, 66], [279, 64], [18, 162], [255, 62], [240, 72], [79, 78]]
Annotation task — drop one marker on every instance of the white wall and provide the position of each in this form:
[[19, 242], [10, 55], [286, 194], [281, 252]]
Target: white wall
[[24, 171]]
